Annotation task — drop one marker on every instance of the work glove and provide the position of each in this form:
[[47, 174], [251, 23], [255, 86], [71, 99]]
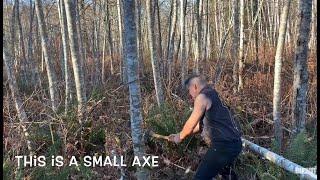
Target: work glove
[[175, 138]]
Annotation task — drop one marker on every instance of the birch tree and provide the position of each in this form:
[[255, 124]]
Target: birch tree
[[172, 31], [76, 57], [34, 72], [183, 59], [313, 38], [158, 37], [64, 37], [139, 37], [79, 34], [21, 39], [235, 43], [13, 33], [134, 85], [197, 56], [241, 46], [277, 74], [205, 36], [95, 44], [300, 79], [15, 96], [107, 37], [256, 32], [47, 55], [154, 58], [121, 43]]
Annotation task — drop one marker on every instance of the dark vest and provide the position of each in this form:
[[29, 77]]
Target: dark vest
[[217, 124]]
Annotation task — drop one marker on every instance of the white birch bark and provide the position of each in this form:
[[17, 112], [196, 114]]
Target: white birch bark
[[280, 161], [16, 97], [48, 60], [107, 34], [134, 85], [79, 33], [313, 38], [171, 39], [235, 43], [154, 58], [198, 12], [277, 74], [64, 36], [241, 47], [205, 36], [76, 57], [32, 64], [183, 59], [22, 46], [139, 38], [121, 43]]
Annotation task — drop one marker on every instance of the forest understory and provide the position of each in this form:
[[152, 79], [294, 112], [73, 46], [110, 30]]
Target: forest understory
[[107, 125]]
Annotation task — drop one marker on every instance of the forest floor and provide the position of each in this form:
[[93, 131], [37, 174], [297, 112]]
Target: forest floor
[[108, 125]]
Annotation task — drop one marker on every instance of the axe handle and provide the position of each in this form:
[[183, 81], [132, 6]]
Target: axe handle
[[159, 136]]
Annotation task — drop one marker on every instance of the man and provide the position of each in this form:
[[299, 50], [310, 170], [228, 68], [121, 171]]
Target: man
[[218, 129]]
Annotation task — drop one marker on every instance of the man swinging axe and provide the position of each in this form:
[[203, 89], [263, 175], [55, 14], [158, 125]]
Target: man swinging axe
[[218, 129]]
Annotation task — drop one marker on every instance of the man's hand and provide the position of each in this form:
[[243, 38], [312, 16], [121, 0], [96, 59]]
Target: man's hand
[[175, 138]]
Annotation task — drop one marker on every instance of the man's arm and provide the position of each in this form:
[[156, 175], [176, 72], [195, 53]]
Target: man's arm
[[196, 129], [192, 124]]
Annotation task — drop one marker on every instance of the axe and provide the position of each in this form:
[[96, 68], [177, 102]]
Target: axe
[[150, 133]]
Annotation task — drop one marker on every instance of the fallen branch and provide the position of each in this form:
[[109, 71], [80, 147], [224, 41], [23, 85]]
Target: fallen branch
[[280, 161]]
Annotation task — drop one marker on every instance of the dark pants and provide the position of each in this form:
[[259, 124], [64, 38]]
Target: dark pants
[[218, 160]]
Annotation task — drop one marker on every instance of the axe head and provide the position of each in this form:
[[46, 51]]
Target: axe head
[[147, 135]]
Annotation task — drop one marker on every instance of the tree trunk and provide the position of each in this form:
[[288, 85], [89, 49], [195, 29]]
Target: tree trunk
[[76, 57], [22, 47], [82, 49], [95, 73], [300, 79], [110, 44], [139, 38], [277, 74], [32, 64], [313, 38], [154, 58], [256, 31], [292, 167], [48, 60], [183, 60], [221, 59], [16, 97], [190, 46], [134, 85], [13, 36], [64, 36], [197, 56], [121, 44], [106, 32], [171, 39], [235, 43], [205, 37], [241, 46], [159, 39]]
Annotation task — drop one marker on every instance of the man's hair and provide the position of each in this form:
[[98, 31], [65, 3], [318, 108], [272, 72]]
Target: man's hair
[[188, 80]]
